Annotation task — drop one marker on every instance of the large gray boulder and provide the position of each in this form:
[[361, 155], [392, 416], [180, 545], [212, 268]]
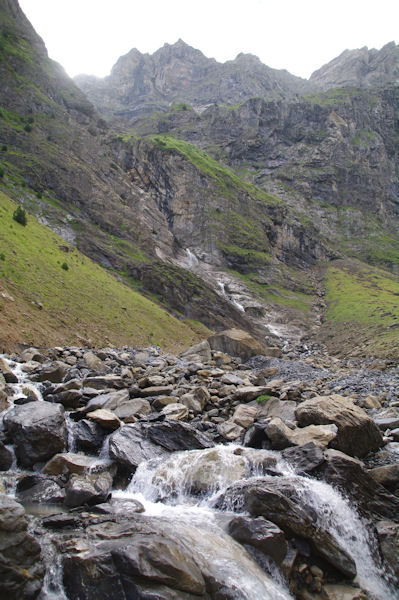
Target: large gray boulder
[[261, 534], [21, 569], [357, 433], [129, 446], [88, 489], [236, 342], [37, 430]]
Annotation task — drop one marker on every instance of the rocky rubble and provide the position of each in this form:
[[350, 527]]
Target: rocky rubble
[[106, 414]]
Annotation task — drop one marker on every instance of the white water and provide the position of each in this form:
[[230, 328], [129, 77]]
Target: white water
[[192, 260], [172, 479], [229, 297]]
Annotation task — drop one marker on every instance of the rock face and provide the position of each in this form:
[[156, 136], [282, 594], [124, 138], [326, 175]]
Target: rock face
[[236, 342], [21, 570], [38, 431], [357, 433]]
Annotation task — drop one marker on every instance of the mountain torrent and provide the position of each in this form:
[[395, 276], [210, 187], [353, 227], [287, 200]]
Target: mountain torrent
[[199, 326]]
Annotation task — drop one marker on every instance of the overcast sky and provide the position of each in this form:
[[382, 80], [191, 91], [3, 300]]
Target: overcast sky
[[88, 36]]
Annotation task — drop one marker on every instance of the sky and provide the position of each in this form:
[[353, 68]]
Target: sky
[[88, 36]]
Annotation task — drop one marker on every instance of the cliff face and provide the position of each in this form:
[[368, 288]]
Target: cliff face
[[229, 208]]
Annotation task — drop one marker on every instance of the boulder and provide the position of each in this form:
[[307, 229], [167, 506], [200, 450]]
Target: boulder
[[88, 435], [110, 400], [105, 418], [176, 435], [176, 411], [129, 446], [39, 488], [357, 433], [304, 458], [246, 393], [230, 430], [245, 415], [388, 476], [130, 410], [103, 382], [94, 363], [284, 409], [37, 431], [236, 342], [69, 463], [191, 403], [261, 534], [281, 436], [54, 372], [88, 489], [199, 353], [280, 502], [21, 569], [6, 457], [7, 373], [161, 401]]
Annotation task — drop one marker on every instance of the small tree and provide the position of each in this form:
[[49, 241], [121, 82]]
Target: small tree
[[19, 216], [64, 266]]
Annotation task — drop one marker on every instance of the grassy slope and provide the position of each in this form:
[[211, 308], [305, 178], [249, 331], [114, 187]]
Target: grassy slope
[[83, 302], [363, 310]]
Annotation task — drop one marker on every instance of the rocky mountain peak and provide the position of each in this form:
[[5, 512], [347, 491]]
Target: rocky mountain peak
[[360, 68]]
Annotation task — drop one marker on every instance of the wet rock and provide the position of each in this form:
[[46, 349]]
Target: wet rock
[[70, 462], [54, 372], [120, 507], [230, 430], [102, 382], [68, 398], [388, 476], [37, 431], [347, 474], [4, 404], [88, 435], [279, 502], [21, 569], [334, 591], [245, 415], [105, 418], [304, 458], [7, 373], [129, 446], [259, 533], [388, 536], [357, 433], [131, 409], [88, 489], [176, 411], [236, 342], [282, 436], [256, 437], [38, 488], [6, 457], [176, 435]]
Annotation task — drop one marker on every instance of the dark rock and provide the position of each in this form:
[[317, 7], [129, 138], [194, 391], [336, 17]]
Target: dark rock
[[68, 398], [6, 457], [261, 534], [387, 475], [21, 569], [304, 458], [88, 489], [255, 437], [110, 400], [39, 488], [37, 431], [279, 501], [88, 435], [388, 536], [61, 521], [54, 373], [129, 446], [357, 433], [176, 435]]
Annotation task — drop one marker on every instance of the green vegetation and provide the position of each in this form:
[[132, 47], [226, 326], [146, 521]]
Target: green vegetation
[[363, 138], [19, 215], [263, 399], [334, 95], [84, 300], [229, 183], [65, 266], [364, 300]]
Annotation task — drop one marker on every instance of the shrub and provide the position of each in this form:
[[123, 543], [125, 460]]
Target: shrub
[[19, 215], [28, 128], [64, 266], [2, 256], [4, 148], [262, 399]]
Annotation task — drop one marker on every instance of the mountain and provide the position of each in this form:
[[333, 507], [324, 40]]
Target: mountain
[[230, 194]]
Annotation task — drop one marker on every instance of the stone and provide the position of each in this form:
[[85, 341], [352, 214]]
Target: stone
[[88, 489], [161, 401], [191, 403], [388, 536], [9, 376], [199, 353], [37, 431], [38, 488], [231, 379], [105, 418], [387, 475], [280, 502], [175, 411], [103, 382], [156, 390], [261, 534], [176, 435], [230, 430], [68, 398], [370, 402], [246, 393], [6, 457], [281, 436], [94, 363], [110, 400], [21, 569], [129, 446], [131, 409], [245, 415], [88, 435], [304, 458], [54, 372], [335, 591], [357, 433], [236, 342], [284, 409], [70, 462]]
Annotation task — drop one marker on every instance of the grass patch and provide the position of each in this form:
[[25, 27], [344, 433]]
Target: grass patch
[[85, 299]]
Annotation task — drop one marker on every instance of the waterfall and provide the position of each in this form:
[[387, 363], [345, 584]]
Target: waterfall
[[192, 260], [229, 297]]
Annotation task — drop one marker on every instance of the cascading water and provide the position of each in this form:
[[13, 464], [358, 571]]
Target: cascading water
[[192, 260]]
